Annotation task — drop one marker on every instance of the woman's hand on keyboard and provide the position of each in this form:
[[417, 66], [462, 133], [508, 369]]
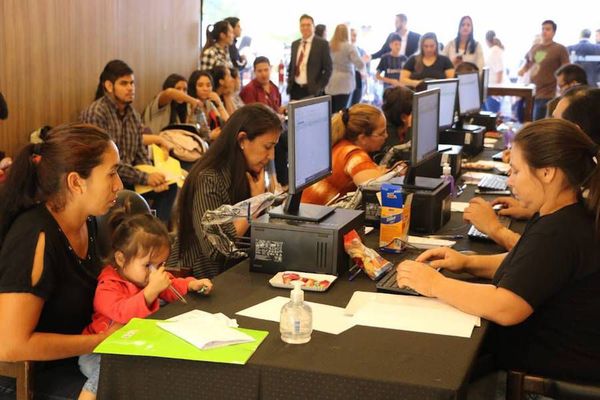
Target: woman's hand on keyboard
[[417, 276], [481, 214], [444, 257], [512, 208]]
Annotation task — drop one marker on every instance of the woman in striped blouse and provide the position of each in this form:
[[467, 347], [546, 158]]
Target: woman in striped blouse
[[232, 170]]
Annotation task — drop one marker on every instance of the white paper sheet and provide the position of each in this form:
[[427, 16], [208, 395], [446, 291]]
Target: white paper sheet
[[410, 313], [429, 243], [328, 319], [204, 330], [458, 206]]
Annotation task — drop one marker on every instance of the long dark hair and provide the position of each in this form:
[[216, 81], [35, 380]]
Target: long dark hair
[[218, 73], [213, 32], [471, 43], [135, 235], [562, 144], [225, 153], [39, 170], [583, 110], [111, 72], [177, 110], [194, 78]]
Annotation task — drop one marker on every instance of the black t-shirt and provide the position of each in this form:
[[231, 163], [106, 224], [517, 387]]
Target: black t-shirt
[[437, 70], [555, 267], [391, 66], [67, 284]]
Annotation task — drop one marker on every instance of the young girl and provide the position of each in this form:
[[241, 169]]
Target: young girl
[[132, 283]]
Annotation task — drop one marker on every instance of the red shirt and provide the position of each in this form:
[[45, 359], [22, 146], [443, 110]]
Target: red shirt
[[119, 300], [255, 93]]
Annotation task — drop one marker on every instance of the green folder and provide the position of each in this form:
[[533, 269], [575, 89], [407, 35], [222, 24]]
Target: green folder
[[142, 337]]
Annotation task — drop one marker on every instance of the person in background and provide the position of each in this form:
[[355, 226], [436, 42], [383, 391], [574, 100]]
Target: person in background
[[113, 111], [310, 67], [567, 77], [428, 64], [361, 75], [391, 64], [397, 108], [200, 86], [542, 61], [495, 62], [48, 246], [237, 87], [464, 47], [239, 61], [232, 170], [224, 85], [261, 89], [542, 299], [321, 31], [132, 284], [356, 132], [410, 40], [170, 106], [585, 48], [345, 61], [216, 49]]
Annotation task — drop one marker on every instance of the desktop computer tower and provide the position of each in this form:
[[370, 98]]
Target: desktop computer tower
[[282, 244], [470, 137], [430, 209]]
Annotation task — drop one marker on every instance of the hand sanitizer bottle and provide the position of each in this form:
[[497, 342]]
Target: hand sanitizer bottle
[[295, 323], [447, 176]]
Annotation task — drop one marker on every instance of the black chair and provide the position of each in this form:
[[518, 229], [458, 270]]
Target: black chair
[[519, 383], [134, 202]]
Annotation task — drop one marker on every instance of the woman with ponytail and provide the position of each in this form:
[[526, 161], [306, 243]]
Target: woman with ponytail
[[216, 49], [356, 132], [543, 297], [48, 257], [232, 170]]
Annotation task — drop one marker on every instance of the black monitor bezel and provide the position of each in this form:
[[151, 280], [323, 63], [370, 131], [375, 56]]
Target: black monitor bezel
[[292, 106], [415, 124], [471, 110], [485, 82], [444, 81]]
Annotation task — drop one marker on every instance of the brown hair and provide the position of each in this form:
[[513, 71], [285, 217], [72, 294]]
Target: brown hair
[[562, 144], [340, 36], [349, 123]]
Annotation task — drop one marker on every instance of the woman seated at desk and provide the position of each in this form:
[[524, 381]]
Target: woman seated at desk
[[47, 243], [428, 64], [232, 170], [356, 132], [544, 292]]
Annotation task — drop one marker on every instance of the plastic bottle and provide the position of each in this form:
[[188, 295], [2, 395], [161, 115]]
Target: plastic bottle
[[202, 124], [295, 323], [447, 176]]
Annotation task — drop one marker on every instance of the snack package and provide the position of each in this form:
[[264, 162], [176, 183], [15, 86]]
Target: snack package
[[367, 259], [395, 218]]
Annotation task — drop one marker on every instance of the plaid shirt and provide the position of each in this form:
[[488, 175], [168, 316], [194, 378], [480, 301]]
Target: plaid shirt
[[213, 56], [125, 131]]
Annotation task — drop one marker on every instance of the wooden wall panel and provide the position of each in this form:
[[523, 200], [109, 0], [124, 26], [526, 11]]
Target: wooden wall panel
[[52, 53]]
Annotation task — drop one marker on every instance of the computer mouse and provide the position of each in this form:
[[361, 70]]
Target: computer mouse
[[498, 207]]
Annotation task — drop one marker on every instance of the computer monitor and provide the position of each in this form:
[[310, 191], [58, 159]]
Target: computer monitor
[[448, 89], [424, 140], [485, 81], [469, 100], [309, 155]]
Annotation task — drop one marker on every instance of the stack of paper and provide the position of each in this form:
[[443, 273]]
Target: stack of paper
[[204, 330]]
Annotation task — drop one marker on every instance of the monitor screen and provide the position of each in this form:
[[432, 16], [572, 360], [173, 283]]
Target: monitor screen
[[448, 89], [485, 81], [424, 142], [309, 142], [468, 93]]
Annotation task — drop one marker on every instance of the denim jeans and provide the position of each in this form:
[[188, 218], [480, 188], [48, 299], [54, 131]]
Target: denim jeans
[[89, 364]]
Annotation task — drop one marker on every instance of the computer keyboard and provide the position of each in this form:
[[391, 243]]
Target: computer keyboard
[[492, 182], [389, 284], [474, 233]]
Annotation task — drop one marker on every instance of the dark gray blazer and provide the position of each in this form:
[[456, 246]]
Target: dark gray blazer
[[318, 68]]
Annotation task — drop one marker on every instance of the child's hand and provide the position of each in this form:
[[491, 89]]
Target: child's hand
[[158, 281], [203, 286]]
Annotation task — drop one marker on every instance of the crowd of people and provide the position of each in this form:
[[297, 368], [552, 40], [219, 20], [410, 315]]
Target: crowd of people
[[51, 268]]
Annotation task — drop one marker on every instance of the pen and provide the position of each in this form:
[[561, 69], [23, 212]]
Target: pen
[[355, 270], [449, 237], [171, 288]]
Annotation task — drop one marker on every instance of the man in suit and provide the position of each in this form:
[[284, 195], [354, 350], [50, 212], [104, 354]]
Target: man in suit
[[410, 40], [310, 64], [585, 47]]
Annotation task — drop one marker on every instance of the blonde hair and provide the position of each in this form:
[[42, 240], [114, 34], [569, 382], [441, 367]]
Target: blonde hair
[[340, 36], [350, 123]]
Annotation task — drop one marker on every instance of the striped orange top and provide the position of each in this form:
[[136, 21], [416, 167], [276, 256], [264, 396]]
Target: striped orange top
[[347, 160]]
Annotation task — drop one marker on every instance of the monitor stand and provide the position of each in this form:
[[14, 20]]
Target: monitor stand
[[292, 209], [420, 183]]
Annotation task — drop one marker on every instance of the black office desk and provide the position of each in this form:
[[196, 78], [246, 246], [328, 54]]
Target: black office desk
[[360, 363]]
